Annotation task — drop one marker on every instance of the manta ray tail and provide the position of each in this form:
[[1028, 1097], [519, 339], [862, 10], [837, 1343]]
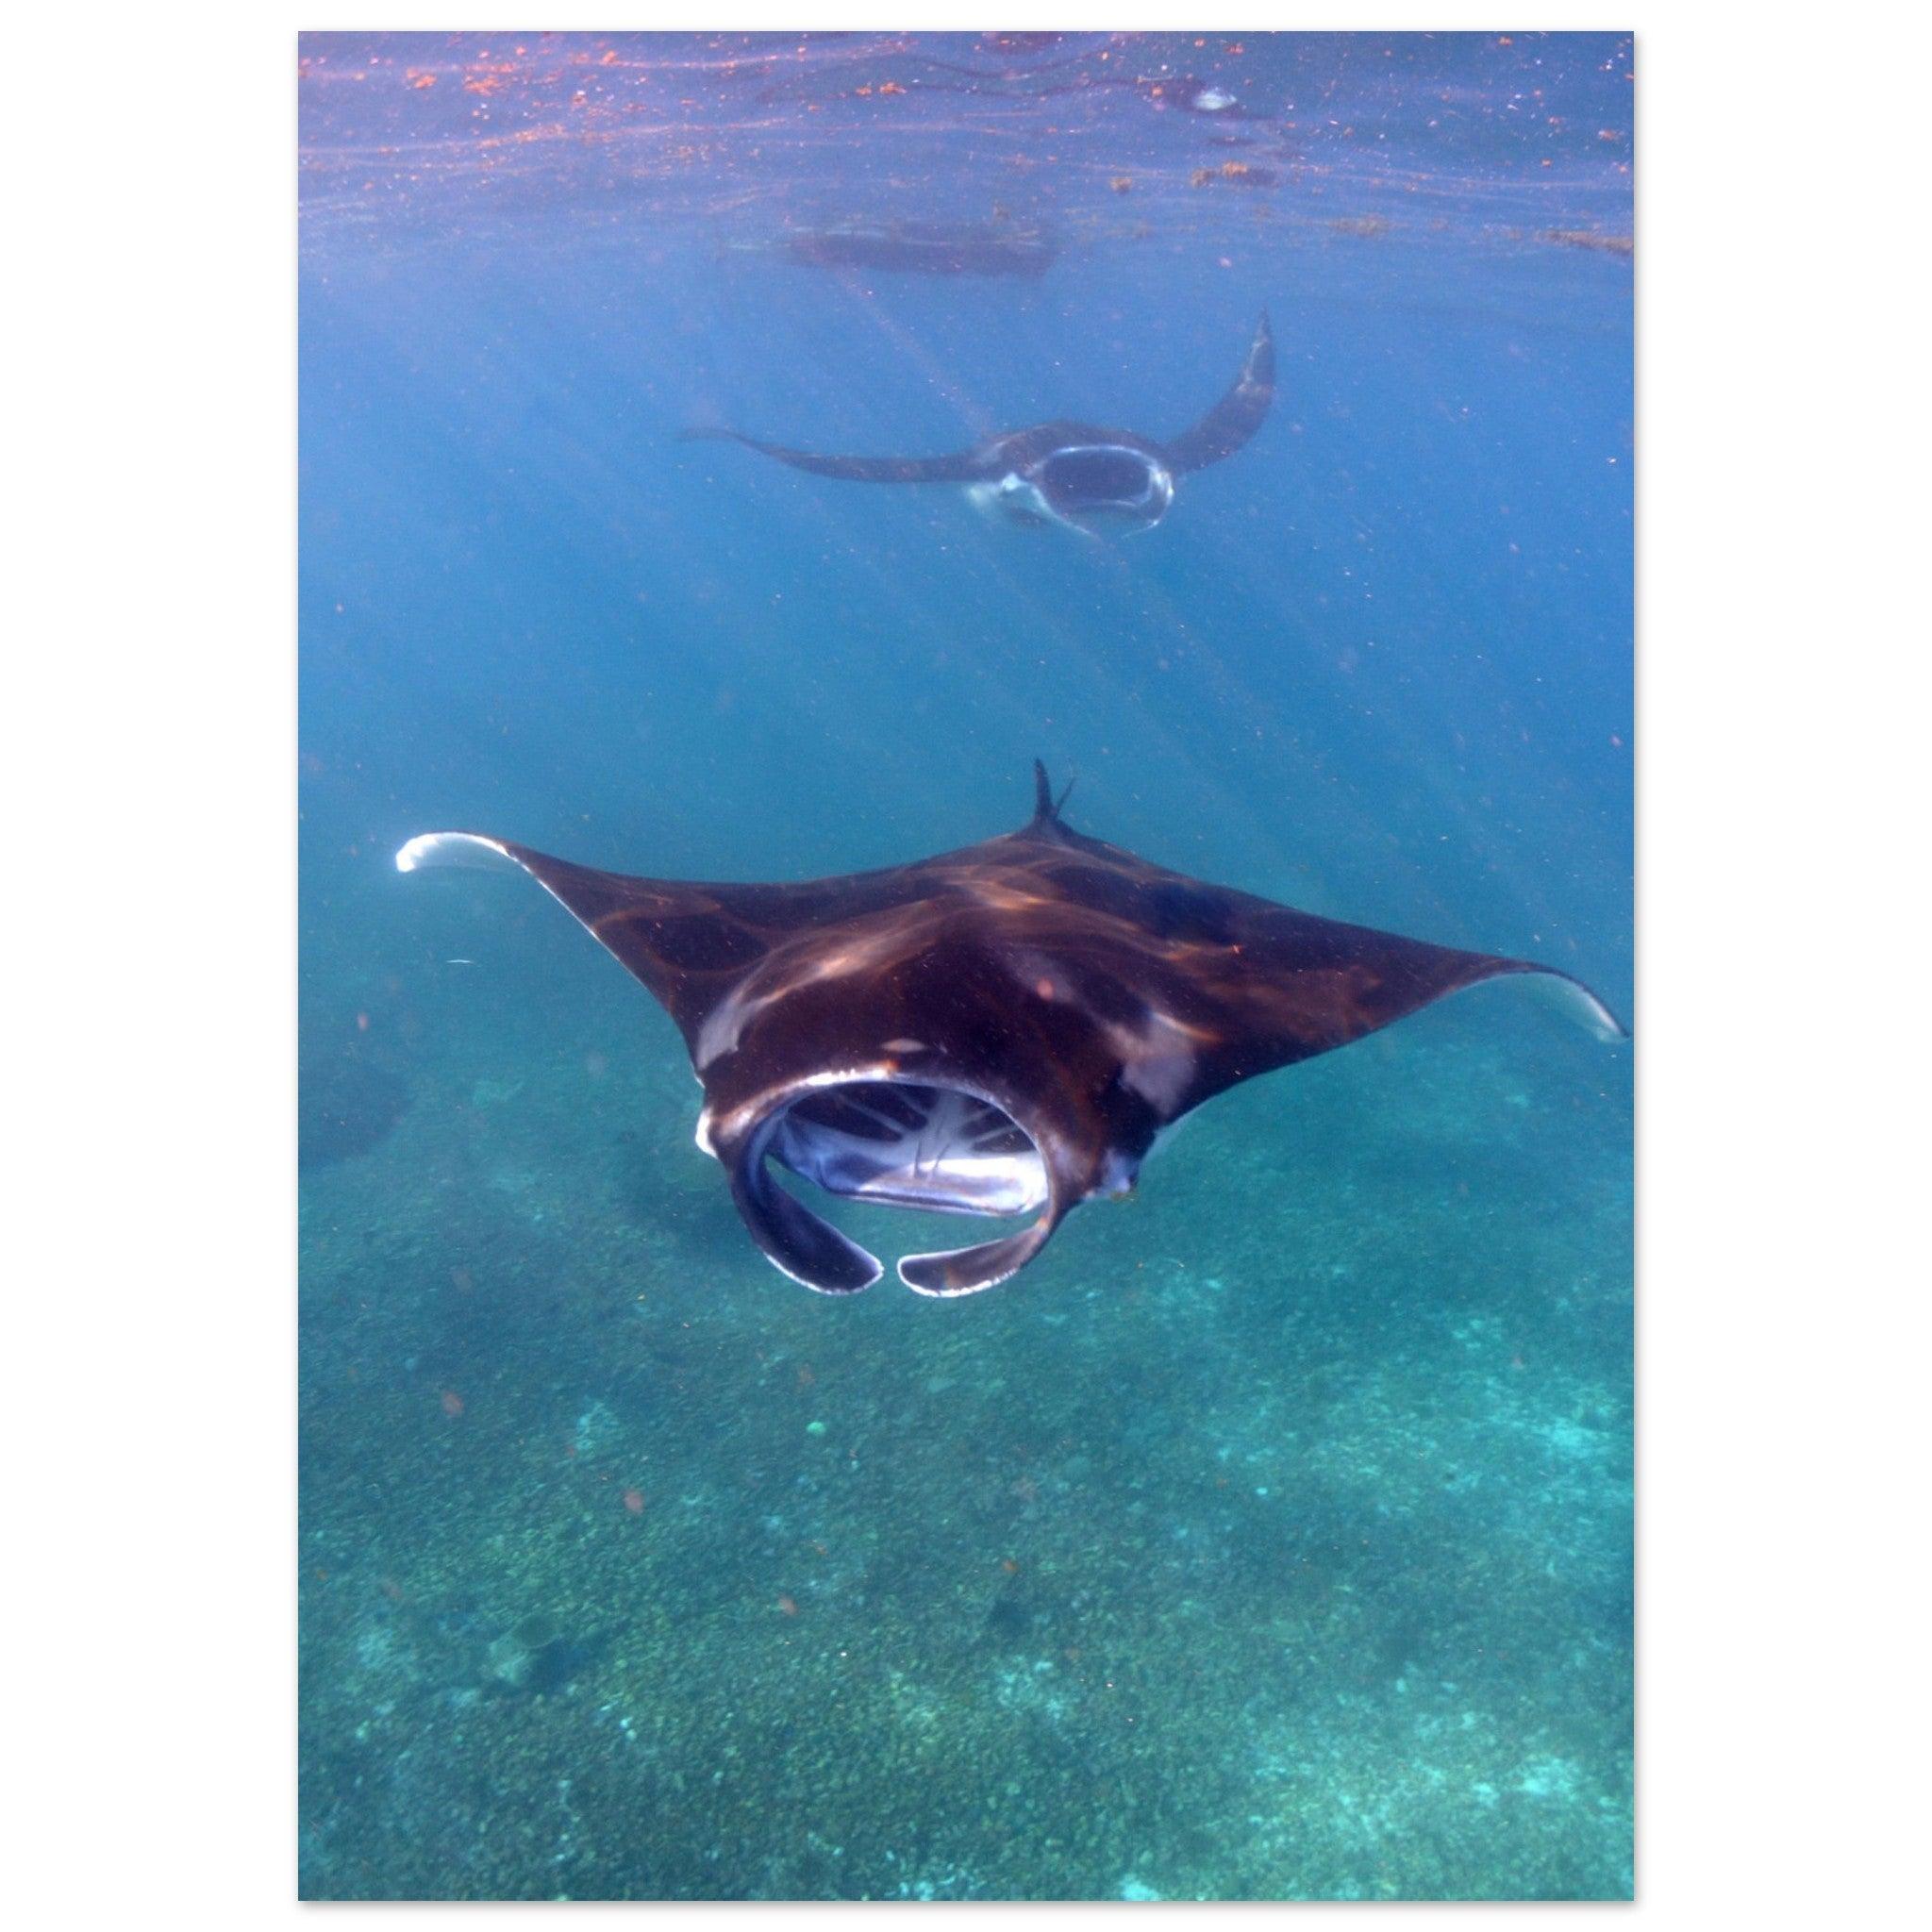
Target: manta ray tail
[[1236, 417], [1047, 807], [1043, 807], [961, 467], [1046, 821]]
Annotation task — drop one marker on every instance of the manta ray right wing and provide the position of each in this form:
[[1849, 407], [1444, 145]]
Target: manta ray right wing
[[962, 467], [1236, 417]]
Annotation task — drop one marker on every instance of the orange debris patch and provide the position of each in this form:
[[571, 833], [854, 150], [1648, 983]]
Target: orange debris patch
[[452, 1404], [634, 1502], [416, 80], [1232, 170], [787, 1608]]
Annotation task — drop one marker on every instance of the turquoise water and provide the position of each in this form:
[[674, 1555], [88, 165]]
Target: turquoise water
[[1270, 1536]]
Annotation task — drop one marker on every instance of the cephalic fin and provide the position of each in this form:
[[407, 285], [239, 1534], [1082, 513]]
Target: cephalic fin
[[796, 1240], [966, 1271]]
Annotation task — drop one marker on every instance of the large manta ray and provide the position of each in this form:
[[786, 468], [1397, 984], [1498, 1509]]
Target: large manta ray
[[1069, 474], [1002, 1030]]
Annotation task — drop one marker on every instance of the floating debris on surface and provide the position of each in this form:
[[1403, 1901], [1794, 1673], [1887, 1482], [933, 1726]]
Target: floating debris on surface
[[1589, 238], [928, 248], [1370, 228], [1239, 174]]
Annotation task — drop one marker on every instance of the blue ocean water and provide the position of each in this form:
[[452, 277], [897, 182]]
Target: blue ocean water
[[1270, 1535]]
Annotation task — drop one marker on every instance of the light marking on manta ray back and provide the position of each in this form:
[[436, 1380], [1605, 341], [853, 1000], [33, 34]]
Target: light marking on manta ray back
[[724, 1027], [1157, 1060], [651, 906], [997, 896]]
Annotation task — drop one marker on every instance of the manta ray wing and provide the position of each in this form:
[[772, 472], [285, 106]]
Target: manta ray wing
[[962, 467], [1236, 417], [786, 993]]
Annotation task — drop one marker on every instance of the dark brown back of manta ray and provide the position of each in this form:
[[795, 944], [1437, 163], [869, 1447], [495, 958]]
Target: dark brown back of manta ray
[[1095, 996]]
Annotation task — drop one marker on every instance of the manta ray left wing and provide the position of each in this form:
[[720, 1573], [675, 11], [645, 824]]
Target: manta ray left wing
[[692, 945], [782, 993], [1236, 417], [964, 466]]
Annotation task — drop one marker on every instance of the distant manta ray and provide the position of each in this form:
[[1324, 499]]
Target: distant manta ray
[[1068, 473], [1001, 1031]]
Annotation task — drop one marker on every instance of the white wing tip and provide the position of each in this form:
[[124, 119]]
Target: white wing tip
[[429, 849], [1567, 997], [1575, 1001]]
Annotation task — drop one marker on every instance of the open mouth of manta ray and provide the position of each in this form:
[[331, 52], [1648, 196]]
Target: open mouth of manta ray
[[913, 1146], [1084, 488], [1096, 475], [897, 1144], [1105, 483]]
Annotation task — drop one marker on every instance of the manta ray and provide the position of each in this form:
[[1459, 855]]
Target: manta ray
[[1071, 475], [1004, 1030]]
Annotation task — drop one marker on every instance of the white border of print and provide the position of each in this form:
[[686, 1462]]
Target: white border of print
[[149, 775]]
